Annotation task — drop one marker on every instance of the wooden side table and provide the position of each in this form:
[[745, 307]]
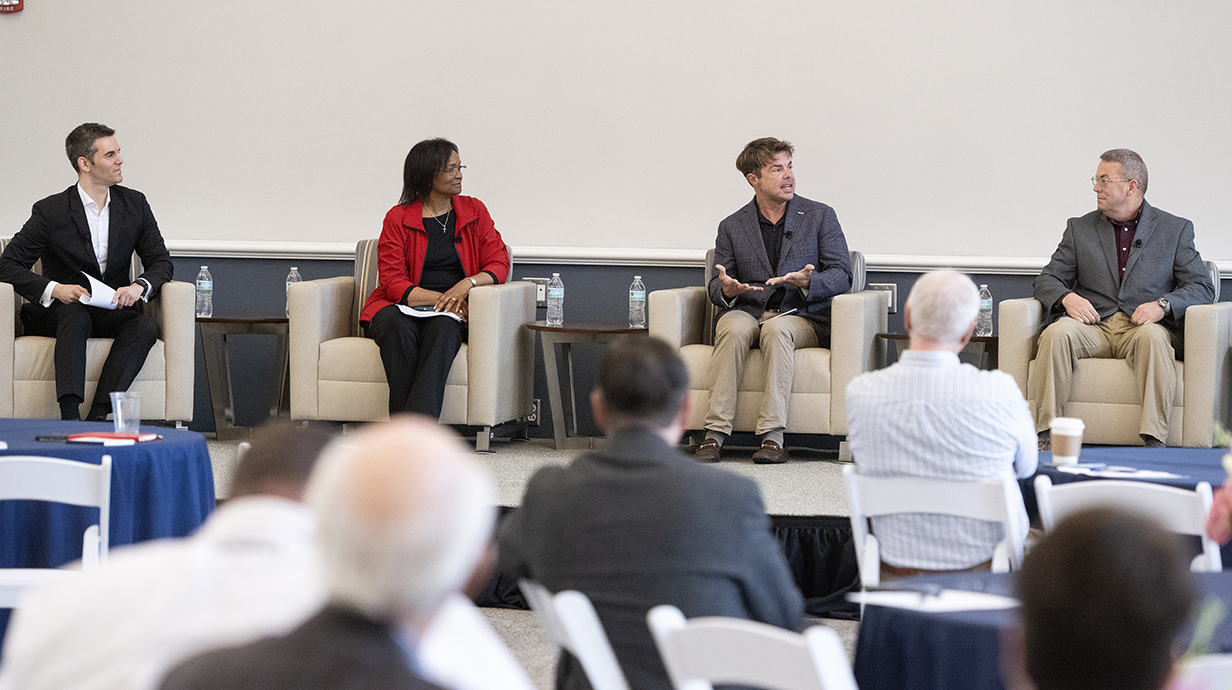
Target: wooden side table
[[982, 347], [214, 333], [562, 395]]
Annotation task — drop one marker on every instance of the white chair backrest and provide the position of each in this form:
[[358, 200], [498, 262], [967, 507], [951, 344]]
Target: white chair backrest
[[994, 501], [715, 649], [570, 621], [1206, 672], [1177, 510], [29, 477]]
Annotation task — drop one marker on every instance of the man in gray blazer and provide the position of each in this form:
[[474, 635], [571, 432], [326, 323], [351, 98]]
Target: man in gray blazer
[[638, 523], [1118, 286], [783, 256]]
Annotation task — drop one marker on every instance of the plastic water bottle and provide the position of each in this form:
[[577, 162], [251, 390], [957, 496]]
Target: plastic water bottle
[[983, 324], [556, 301], [292, 277], [205, 293], [637, 303]]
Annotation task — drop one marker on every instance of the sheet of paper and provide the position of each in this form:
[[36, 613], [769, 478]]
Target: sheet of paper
[[1115, 472], [946, 600], [427, 314], [101, 293]]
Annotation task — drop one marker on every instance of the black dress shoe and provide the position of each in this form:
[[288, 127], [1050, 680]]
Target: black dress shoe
[[1149, 441]]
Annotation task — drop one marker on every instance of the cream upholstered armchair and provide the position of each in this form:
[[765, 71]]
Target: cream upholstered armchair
[[27, 362], [685, 318], [336, 372], [1105, 395]]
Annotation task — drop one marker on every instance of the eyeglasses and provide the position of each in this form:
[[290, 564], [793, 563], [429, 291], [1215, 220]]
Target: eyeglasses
[[1101, 181], [452, 169]]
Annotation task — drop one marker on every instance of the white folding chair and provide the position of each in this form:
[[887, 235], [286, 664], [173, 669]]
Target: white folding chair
[[1206, 672], [571, 623], [28, 477], [994, 501], [717, 649], [1177, 510]]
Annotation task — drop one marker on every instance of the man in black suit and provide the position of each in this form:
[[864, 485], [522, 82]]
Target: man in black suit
[[90, 228], [403, 516], [639, 523]]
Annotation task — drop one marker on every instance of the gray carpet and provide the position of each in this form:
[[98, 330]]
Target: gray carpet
[[811, 483]]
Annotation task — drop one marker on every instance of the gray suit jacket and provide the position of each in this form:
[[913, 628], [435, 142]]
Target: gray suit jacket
[[811, 235], [1163, 262], [638, 524]]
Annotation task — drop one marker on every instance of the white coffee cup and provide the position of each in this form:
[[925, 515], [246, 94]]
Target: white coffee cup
[[1066, 440], [126, 412]]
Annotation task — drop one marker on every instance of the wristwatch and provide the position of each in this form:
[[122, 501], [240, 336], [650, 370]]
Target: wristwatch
[[1163, 302], [475, 283]]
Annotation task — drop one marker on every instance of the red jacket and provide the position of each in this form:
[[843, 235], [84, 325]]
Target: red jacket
[[400, 251]]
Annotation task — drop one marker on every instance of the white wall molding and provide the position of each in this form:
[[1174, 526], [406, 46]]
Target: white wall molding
[[615, 256]]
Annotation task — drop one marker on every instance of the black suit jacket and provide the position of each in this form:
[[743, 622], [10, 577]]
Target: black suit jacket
[[638, 524], [58, 234], [335, 650]]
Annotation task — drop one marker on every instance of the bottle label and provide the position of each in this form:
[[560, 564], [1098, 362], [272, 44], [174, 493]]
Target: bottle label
[[637, 296], [554, 293], [205, 285], [985, 304]]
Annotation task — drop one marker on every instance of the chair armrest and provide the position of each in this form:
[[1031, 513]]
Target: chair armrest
[[319, 310], [500, 361], [677, 315], [8, 331], [1208, 335], [174, 310], [855, 321], [1021, 321]]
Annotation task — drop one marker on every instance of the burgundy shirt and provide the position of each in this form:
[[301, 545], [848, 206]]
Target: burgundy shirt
[[1123, 232]]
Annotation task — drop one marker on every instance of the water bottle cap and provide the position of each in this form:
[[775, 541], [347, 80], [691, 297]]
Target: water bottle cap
[[204, 267], [294, 268], [637, 277], [555, 275]]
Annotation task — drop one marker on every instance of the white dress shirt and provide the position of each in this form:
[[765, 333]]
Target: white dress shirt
[[931, 416], [250, 571]]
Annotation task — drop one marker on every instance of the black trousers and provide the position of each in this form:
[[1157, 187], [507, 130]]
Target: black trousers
[[417, 355], [133, 335]]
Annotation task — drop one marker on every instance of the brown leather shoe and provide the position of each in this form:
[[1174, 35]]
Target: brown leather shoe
[[708, 451], [770, 453]]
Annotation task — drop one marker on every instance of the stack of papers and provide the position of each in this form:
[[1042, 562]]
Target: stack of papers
[[112, 438]]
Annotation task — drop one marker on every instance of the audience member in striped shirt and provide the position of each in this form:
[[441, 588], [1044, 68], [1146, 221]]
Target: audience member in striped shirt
[[931, 416]]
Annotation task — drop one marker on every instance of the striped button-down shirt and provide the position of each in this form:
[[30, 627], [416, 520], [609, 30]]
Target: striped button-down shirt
[[931, 416]]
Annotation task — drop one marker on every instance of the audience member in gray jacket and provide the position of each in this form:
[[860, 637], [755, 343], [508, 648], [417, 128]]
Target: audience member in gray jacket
[[638, 523]]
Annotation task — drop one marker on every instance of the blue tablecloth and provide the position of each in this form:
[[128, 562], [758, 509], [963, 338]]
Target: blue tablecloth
[[162, 488], [911, 650]]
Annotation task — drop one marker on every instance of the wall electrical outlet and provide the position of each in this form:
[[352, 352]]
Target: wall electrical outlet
[[541, 290], [891, 290]]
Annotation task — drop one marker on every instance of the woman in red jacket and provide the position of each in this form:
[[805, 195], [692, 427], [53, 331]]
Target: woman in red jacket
[[435, 247]]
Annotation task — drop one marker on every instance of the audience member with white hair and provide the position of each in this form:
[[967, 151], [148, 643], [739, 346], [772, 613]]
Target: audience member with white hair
[[404, 514], [931, 416], [250, 571]]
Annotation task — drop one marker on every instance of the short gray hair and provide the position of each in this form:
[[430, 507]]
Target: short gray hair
[[404, 513], [1132, 165], [943, 304]]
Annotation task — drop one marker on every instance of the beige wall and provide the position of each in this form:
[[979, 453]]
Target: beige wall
[[956, 127]]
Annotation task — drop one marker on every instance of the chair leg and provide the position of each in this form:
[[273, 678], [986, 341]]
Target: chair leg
[[844, 452], [483, 439]]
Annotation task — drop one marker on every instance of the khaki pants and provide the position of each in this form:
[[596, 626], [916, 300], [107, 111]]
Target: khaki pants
[[1146, 349], [778, 339]]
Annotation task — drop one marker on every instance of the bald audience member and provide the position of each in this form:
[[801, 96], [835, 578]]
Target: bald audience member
[[1104, 596], [933, 417], [404, 514]]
